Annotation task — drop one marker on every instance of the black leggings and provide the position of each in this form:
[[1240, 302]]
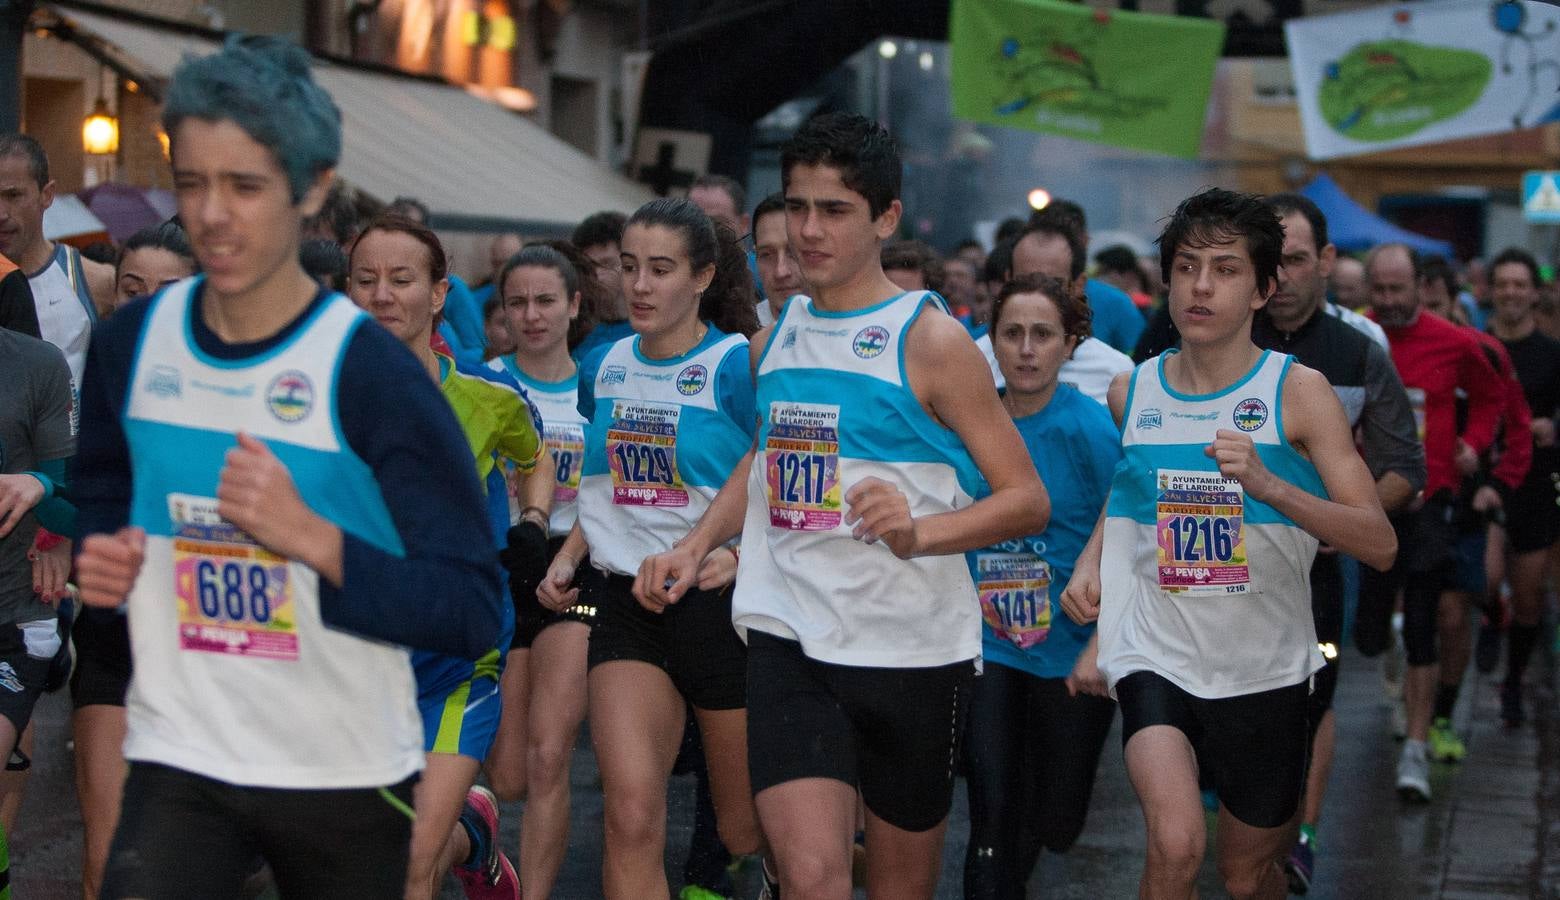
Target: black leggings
[[1030, 759]]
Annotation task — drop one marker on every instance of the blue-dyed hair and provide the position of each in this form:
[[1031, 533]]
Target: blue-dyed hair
[[263, 85]]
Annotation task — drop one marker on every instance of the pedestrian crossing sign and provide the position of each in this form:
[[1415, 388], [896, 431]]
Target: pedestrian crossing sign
[[1541, 196]]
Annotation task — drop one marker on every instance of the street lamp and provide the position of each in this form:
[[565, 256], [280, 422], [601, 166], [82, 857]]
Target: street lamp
[[1039, 198], [100, 131]]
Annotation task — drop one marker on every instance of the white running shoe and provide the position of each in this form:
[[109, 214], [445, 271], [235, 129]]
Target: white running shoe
[[1413, 774]]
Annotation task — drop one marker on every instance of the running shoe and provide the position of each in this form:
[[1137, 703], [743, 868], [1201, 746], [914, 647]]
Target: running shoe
[[1413, 774], [493, 876], [770, 890], [1445, 745], [1298, 867], [1511, 711], [694, 892]]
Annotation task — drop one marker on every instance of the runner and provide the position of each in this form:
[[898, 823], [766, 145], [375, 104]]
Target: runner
[[778, 271], [856, 515], [35, 441], [1035, 731], [17, 312], [670, 412], [542, 293], [1533, 519], [1436, 360], [600, 238], [397, 274], [69, 292], [1298, 322], [150, 259], [1205, 631], [251, 491]]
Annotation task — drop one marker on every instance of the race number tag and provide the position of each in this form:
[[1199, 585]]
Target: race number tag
[[567, 443], [642, 454], [802, 466], [1202, 544], [1416, 402], [234, 595], [1015, 596]]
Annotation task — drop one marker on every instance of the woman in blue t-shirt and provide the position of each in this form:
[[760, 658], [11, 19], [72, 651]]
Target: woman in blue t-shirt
[[1036, 726]]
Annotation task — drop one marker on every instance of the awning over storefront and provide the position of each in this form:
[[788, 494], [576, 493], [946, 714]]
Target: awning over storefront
[[1353, 228], [475, 164]]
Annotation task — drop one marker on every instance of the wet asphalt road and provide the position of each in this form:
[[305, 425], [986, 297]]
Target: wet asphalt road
[[1492, 831]]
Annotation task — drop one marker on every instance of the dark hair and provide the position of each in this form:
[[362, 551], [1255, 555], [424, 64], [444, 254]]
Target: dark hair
[[731, 186], [1436, 268], [409, 208], [438, 264], [1416, 261], [1077, 317], [324, 260], [774, 203], [1515, 255], [1053, 228], [605, 227], [338, 215], [965, 244], [862, 150], [1009, 229], [491, 305], [1065, 212], [23, 145], [101, 252], [728, 303], [263, 85], [917, 255], [1214, 216], [1119, 259], [1000, 260], [169, 235], [1284, 204], [574, 270]]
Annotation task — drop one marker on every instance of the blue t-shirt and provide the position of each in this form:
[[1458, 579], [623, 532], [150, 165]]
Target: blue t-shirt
[[463, 316], [1117, 321], [1075, 447], [602, 336]]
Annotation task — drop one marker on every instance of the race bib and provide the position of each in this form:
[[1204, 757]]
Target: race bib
[[802, 466], [1202, 544], [567, 443], [1416, 401], [234, 595], [642, 454], [1015, 596]]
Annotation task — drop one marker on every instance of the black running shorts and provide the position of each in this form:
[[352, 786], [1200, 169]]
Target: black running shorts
[[1256, 746], [102, 673], [892, 733], [693, 642]]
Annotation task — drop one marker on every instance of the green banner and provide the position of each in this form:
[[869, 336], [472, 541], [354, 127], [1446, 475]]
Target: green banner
[[1121, 78]]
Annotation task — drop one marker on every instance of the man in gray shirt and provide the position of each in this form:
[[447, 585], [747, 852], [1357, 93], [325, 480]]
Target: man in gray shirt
[[35, 441]]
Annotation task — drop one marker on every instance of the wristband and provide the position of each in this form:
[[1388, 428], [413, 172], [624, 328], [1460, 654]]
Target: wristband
[[46, 481]]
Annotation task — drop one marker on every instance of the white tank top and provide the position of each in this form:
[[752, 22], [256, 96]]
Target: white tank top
[[66, 315], [837, 407], [564, 430], [237, 677], [1200, 583]]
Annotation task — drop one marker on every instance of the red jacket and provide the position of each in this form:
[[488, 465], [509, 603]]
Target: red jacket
[[1435, 358]]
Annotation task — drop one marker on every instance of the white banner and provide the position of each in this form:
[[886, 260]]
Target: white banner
[[1404, 74]]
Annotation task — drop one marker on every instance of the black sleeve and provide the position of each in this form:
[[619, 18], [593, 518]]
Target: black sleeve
[[17, 312], [443, 592], [100, 470]]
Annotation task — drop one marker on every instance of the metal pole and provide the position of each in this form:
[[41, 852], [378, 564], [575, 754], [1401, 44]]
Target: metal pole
[[13, 24]]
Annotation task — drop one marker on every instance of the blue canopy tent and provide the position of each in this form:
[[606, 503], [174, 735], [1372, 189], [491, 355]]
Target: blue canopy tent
[[1352, 227]]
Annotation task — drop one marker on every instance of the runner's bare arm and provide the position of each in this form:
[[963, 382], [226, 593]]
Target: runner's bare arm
[[100, 283], [1314, 422], [951, 378]]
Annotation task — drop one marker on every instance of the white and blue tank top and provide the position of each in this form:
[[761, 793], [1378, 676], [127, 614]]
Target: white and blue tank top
[[564, 431], [237, 678], [836, 407], [663, 435], [1200, 583]]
